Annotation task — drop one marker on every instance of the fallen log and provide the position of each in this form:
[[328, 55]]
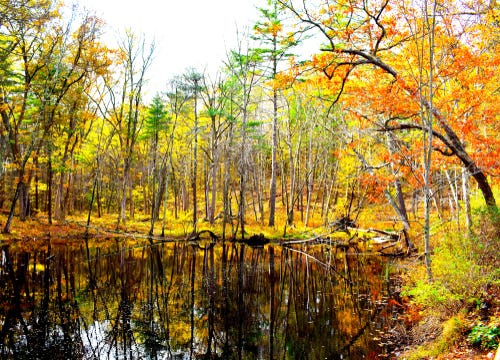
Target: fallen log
[[198, 235]]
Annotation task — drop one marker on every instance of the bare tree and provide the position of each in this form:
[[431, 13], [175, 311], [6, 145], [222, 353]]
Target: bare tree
[[121, 105], [242, 64]]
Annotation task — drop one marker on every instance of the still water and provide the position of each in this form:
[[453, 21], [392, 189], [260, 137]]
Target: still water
[[123, 299]]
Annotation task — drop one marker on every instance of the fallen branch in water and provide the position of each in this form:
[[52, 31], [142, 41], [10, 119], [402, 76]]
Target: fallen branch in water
[[326, 265], [303, 241], [354, 232], [197, 236]]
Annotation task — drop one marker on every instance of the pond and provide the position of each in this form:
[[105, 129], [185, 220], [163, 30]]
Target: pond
[[127, 299]]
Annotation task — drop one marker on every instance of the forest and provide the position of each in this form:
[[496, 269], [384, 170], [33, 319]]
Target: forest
[[391, 127]]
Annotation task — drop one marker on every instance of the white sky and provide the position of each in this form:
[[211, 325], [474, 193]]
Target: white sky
[[187, 33]]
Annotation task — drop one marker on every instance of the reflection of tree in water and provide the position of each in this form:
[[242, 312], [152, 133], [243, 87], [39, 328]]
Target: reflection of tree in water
[[224, 300], [39, 318]]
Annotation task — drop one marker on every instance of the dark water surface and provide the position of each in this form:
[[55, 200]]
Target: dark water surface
[[123, 299]]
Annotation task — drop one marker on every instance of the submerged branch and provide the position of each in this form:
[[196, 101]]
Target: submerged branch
[[326, 265]]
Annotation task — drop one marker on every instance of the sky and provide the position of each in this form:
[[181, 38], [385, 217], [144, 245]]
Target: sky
[[187, 33]]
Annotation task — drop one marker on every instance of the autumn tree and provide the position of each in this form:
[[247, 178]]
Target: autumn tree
[[46, 59], [77, 117], [121, 106], [156, 124], [275, 48], [360, 33], [76, 57], [22, 34], [294, 132], [229, 91], [216, 108], [177, 97], [193, 83], [243, 64]]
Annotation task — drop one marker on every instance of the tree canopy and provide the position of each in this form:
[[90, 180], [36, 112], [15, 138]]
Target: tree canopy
[[325, 137]]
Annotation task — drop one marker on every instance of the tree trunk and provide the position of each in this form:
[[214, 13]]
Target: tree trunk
[[194, 179], [226, 182], [206, 187], [122, 216], [130, 186], [59, 208], [274, 165], [215, 169], [309, 179], [24, 202], [401, 203], [98, 196], [168, 170], [68, 206], [6, 229], [37, 200], [453, 200], [49, 192], [466, 197]]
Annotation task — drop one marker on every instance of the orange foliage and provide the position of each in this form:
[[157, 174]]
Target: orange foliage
[[465, 82]]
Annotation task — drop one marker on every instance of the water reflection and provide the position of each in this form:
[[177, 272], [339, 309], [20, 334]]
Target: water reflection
[[122, 299]]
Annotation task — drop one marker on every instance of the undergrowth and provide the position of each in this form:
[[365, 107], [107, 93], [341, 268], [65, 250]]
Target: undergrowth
[[463, 294]]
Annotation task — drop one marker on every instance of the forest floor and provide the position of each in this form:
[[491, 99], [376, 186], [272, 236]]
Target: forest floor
[[457, 347], [444, 335], [414, 336], [463, 351]]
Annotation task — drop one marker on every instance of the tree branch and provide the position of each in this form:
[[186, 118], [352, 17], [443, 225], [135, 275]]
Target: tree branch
[[413, 126]]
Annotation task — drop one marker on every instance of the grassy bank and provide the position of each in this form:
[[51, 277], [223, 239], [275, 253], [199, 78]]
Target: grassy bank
[[457, 314]]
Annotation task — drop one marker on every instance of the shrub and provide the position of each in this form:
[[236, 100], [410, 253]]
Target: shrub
[[432, 294], [464, 268], [485, 336]]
